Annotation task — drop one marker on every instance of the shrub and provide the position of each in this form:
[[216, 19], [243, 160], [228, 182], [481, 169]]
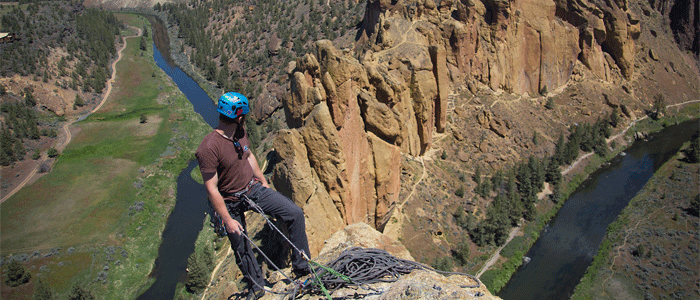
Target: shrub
[[638, 251], [42, 291], [45, 167], [143, 119], [549, 104], [52, 152]]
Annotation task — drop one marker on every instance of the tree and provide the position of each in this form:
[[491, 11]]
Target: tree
[[461, 253], [80, 293], [143, 119], [142, 44], [19, 150], [659, 105], [443, 264], [197, 276], [694, 209], [42, 291], [29, 97], [16, 274], [614, 117], [79, 100], [693, 152], [460, 192], [477, 175]]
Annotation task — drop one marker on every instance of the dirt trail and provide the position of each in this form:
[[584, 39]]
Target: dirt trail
[[624, 243], [496, 255], [66, 126], [216, 269]]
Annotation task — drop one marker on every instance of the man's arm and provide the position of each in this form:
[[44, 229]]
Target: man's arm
[[217, 201], [256, 170]]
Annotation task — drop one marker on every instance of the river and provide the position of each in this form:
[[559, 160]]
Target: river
[[567, 245], [185, 221]]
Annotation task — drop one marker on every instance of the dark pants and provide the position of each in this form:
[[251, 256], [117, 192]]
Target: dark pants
[[281, 208]]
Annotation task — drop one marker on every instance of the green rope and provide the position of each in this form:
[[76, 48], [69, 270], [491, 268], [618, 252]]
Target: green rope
[[316, 280]]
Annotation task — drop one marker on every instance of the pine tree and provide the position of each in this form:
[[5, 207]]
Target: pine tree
[[16, 274], [196, 278]]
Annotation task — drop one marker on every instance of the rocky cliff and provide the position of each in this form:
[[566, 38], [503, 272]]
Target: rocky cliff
[[354, 114]]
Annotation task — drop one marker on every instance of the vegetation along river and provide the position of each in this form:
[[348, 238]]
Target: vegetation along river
[[185, 222], [567, 245]]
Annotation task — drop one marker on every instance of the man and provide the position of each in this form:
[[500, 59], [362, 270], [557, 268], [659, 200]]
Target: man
[[230, 170]]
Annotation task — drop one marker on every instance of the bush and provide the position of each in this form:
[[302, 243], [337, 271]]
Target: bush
[[143, 119], [45, 167], [42, 291], [550, 104], [694, 209], [52, 152]]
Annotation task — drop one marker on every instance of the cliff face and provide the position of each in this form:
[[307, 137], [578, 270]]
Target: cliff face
[[353, 113]]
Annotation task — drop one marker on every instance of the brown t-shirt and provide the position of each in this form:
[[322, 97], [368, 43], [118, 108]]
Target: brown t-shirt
[[218, 154]]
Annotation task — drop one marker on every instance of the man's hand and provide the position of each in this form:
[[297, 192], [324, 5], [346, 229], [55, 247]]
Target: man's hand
[[233, 226]]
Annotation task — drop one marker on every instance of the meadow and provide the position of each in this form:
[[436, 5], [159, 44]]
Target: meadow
[[95, 220]]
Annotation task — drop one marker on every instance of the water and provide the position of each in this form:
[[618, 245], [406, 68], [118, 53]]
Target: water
[[566, 246], [185, 222]]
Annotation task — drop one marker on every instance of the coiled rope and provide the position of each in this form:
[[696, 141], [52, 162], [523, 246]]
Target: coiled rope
[[355, 267], [365, 266]]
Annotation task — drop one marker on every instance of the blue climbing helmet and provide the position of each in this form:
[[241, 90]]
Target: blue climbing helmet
[[233, 105]]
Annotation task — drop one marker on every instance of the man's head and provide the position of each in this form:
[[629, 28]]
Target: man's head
[[231, 106]]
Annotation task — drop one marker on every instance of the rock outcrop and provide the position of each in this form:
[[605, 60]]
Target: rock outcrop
[[352, 113], [419, 284]]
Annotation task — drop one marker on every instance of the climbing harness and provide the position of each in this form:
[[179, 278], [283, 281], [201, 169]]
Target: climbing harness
[[358, 267]]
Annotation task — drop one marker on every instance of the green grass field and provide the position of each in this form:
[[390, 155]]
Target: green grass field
[[112, 162]]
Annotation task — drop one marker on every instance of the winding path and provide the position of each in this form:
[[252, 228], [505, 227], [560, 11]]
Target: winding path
[[66, 128]]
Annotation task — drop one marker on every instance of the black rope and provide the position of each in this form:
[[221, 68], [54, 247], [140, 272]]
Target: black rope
[[365, 266]]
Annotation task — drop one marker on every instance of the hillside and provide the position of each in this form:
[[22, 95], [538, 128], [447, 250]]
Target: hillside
[[55, 67]]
